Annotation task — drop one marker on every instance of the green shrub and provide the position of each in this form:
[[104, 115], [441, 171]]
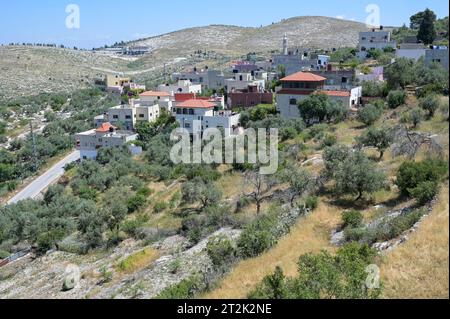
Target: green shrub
[[136, 202], [352, 219], [411, 174], [258, 236], [328, 140], [430, 103], [175, 266], [311, 202], [391, 228], [186, 289], [425, 192], [4, 254], [414, 116], [369, 114], [160, 207], [354, 234], [221, 251], [324, 276], [374, 89], [396, 98]]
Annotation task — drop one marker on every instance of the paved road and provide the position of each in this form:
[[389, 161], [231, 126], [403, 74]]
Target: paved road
[[45, 180]]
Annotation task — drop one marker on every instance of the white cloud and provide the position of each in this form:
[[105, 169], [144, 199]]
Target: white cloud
[[341, 17]]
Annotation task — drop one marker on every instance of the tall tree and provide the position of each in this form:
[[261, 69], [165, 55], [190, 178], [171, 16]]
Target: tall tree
[[427, 30]]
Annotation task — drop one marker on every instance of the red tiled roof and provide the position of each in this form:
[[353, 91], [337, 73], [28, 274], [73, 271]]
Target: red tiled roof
[[304, 77], [309, 92], [105, 128], [182, 97], [201, 104], [153, 93]]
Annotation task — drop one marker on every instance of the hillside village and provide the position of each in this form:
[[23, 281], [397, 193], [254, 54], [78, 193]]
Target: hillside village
[[362, 179]]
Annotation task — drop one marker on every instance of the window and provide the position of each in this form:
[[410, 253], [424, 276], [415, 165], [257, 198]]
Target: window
[[363, 38], [187, 125], [128, 117], [141, 116], [115, 117], [293, 101]]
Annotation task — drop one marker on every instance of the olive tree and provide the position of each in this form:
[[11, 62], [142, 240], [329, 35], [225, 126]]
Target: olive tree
[[380, 138]]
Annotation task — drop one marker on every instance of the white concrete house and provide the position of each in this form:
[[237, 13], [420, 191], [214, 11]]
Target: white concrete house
[[127, 115], [375, 39], [182, 86], [295, 60], [411, 51], [199, 115], [241, 81], [209, 79], [437, 54], [150, 98], [301, 85], [89, 142]]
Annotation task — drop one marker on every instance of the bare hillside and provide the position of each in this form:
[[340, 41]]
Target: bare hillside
[[33, 70], [319, 32]]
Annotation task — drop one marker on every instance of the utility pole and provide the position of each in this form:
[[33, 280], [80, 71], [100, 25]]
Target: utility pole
[[34, 148]]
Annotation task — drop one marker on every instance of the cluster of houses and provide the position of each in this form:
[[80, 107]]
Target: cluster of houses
[[245, 84], [410, 48]]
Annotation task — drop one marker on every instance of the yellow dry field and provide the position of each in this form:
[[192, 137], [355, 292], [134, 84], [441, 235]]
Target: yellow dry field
[[311, 234], [420, 267]]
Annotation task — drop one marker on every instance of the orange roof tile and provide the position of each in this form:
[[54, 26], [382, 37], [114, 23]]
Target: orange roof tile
[[155, 94], [182, 97], [106, 127], [202, 104], [304, 77], [309, 92]]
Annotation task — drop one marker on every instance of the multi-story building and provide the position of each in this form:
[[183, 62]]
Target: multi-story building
[[301, 85], [88, 143], [198, 115], [146, 109], [217, 100], [337, 79], [150, 98], [182, 86], [241, 81], [117, 84], [249, 97], [296, 59], [208, 79], [374, 39], [437, 54]]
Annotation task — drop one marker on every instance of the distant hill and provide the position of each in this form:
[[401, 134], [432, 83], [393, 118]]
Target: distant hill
[[309, 31], [33, 70]]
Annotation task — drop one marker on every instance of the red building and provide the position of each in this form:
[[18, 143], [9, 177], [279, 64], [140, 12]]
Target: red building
[[249, 97]]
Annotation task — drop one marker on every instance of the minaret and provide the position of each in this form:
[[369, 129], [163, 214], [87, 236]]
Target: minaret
[[285, 45]]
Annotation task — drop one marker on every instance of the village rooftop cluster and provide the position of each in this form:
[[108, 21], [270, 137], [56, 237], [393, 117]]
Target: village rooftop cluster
[[298, 73]]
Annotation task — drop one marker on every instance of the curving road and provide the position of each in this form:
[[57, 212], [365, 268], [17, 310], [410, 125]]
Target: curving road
[[45, 180]]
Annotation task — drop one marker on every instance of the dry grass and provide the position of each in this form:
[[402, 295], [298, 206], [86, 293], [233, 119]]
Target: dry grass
[[309, 235], [137, 261], [420, 268]]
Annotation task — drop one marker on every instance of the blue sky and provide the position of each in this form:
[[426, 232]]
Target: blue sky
[[107, 21]]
